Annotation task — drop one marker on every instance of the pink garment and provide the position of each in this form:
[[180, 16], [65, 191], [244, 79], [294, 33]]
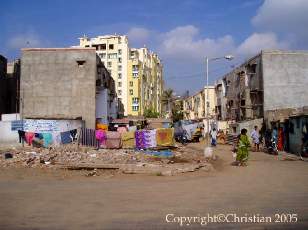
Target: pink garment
[[29, 137], [121, 129], [101, 136]]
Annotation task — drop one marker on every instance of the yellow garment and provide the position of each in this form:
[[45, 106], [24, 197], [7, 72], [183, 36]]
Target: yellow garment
[[128, 140], [102, 126], [164, 136]]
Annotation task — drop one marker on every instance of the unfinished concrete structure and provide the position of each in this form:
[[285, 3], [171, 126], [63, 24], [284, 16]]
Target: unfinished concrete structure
[[66, 83], [273, 84]]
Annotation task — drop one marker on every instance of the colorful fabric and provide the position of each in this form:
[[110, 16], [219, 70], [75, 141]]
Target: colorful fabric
[[121, 129], [164, 137], [87, 138], [47, 137], [150, 138], [66, 137], [113, 140], [29, 137], [242, 151], [280, 140], [128, 140], [101, 137], [102, 126], [140, 139], [74, 134]]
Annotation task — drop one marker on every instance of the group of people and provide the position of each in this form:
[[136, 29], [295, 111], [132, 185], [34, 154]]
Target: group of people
[[242, 143]]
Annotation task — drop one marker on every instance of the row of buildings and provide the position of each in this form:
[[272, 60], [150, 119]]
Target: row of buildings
[[99, 80], [269, 88]]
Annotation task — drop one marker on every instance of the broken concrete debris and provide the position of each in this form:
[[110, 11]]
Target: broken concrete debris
[[128, 161]]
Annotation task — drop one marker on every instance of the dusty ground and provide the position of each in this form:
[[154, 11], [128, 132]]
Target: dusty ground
[[53, 199]]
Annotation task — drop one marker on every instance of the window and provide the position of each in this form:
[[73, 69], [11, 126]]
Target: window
[[131, 92], [135, 75], [120, 60], [103, 47], [120, 92], [131, 83], [87, 46], [135, 100], [135, 108], [135, 67], [112, 56], [120, 75], [119, 68], [120, 84], [109, 64], [80, 63], [111, 46], [102, 55], [119, 51]]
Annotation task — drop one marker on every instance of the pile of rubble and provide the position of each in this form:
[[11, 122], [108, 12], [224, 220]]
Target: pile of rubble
[[73, 156]]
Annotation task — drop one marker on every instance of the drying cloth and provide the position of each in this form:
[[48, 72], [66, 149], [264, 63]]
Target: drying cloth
[[140, 139], [56, 138], [66, 137], [38, 135], [29, 137], [132, 128], [150, 138], [164, 137], [101, 137], [102, 127], [113, 140], [47, 137], [87, 137], [128, 140], [21, 135], [73, 134], [121, 129]]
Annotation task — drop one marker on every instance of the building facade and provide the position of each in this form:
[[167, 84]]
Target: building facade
[[272, 84], [137, 72], [145, 83], [66, 83], [195, 105]]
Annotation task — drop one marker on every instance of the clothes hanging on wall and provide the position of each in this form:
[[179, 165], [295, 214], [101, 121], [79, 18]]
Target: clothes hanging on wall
[[29, 137]]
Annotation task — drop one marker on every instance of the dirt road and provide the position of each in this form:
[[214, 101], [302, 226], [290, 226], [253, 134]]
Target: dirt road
[[40, 199]]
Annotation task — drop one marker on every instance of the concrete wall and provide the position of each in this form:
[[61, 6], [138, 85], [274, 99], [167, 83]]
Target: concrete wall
[[285, 76], [7, 135], [54, 85]]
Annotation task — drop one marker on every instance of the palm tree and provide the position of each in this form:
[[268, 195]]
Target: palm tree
[[167, 99]]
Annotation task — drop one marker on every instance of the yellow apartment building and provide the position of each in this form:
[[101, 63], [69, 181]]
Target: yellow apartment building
[[138, 73], [195, 105]]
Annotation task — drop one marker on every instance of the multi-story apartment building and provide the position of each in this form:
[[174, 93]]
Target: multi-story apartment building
[[137, 72], [271, 85], [195, 105], [145, 82], [113, 51]]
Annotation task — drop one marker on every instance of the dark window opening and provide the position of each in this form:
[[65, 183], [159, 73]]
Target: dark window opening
[[111, 46], [103, 46], [80, 62], [242, 102]]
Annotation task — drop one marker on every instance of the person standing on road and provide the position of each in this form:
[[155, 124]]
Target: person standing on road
[[242, 150], [213, 137], [255, 138]]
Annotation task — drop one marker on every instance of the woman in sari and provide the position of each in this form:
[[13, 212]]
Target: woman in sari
[[242, 150]]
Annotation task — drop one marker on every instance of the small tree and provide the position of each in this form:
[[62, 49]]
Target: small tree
[[150, 113]]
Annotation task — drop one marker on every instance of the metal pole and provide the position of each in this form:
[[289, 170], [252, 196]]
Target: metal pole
[[207, 101]]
